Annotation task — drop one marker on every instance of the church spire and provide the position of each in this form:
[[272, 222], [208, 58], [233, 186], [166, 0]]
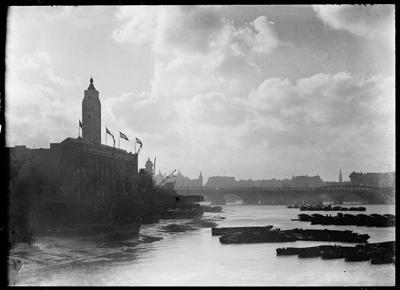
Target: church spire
[[340, 176], [200, 179]]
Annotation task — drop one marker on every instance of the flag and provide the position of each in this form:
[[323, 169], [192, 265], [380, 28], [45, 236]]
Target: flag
[[139, 142], [123, 136], [108, 132], [80, 124]]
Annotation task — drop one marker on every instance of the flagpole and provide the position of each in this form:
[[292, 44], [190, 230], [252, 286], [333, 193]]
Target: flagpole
[[106, 135]]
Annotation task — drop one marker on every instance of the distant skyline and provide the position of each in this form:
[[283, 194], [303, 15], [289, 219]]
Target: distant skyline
[[255, 92], [254, 179]]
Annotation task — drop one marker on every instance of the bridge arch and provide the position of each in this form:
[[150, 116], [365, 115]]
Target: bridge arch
[[311, 199], [233, 198], [222, 198], [353, 198], [325, 197]]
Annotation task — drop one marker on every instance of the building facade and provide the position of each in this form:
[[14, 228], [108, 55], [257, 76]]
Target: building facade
[[376, 179], [79, 172], [184, 181], [295, 181], [221, 181]]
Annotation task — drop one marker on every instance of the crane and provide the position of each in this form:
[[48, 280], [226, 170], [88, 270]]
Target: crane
[[166, 178]]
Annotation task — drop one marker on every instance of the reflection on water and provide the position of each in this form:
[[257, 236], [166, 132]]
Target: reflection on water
[[196, 258]]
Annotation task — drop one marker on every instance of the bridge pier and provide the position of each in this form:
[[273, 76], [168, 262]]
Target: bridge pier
[[250, 198], [217, 199]]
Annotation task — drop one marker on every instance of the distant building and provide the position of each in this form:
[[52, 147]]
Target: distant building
[[295, 181], [184, 181], [377, 179], [221, 181], [149, 166], [261, 183], [306, 181], [373, 179]]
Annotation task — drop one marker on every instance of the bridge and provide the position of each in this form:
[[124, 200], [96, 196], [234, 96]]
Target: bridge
[[295, 195]]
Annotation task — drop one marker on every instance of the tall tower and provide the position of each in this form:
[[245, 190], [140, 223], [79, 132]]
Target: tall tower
[[91, 115], [340, 176], [201, 179]]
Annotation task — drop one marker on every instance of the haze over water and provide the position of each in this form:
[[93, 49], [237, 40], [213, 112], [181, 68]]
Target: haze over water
[[197, 258]]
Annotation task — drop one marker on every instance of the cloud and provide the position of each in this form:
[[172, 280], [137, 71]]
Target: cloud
[[141, 112], [215, 109], [257, 36], [38, 17], [322, 120], [139, 24], [203, 70], [192, 44], [39, 66], [206, 76], [362, 20], [29, 98], [323, 109]]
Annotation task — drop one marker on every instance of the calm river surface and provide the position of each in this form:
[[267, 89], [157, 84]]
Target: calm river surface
[[197, 258]]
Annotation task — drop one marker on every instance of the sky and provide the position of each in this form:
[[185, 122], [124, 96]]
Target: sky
[[247, 91]]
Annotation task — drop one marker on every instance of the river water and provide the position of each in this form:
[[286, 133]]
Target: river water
[[196, 258]]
